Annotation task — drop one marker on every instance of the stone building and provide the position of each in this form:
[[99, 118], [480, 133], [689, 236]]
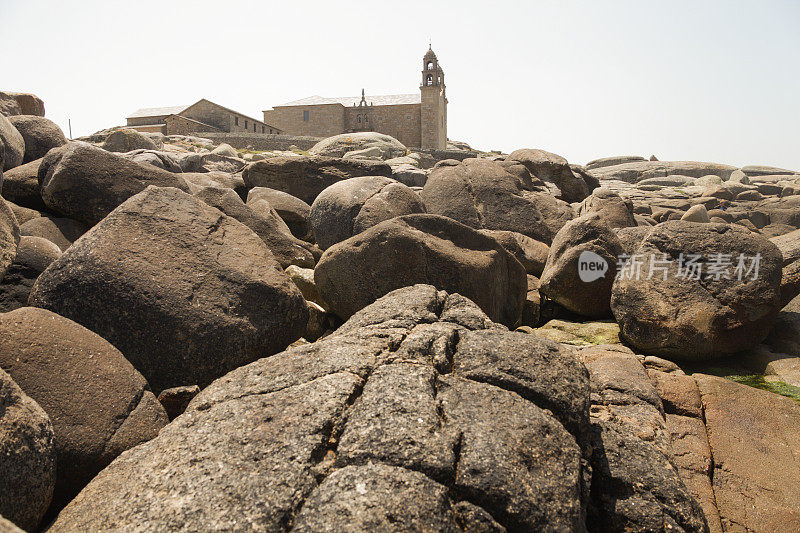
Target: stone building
[[202, 116], [416, 120]]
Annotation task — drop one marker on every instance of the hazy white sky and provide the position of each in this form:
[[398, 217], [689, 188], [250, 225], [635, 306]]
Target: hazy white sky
[[686, 80]]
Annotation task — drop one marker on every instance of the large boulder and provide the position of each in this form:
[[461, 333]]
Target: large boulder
[[9, 237], [554, 169], [34, 255], [21, 186], [633, 172], [531, 253], [12, 144], [185, 292], [27, 103], [292, 210], [40, 134], [212, 162], [286, 248], [581, 267], [613, 160], [98, 403], [23, 214], [427, 249], [419, 414], [789, 245], [664, 308], [614, 211], [9, 105], [27, 457], [383, 146], [60, 231], [163, 160], [482, 194], [86, 183], [126, 140], [351, 206], [198, 180], [305, 177]]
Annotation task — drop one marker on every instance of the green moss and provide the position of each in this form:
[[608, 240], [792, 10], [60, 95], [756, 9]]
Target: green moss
[[754, 380], [580, 333]]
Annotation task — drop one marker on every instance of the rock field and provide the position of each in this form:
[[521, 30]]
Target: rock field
[[195, 337]]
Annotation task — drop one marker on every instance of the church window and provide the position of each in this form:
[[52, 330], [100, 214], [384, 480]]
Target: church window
[[430, 80], [305, 116], [430, 66], [359, 119]]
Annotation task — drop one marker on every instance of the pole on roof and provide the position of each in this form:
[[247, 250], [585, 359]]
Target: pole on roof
[[69, 123]]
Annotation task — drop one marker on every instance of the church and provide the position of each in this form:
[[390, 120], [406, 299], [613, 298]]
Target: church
[[416, 120]]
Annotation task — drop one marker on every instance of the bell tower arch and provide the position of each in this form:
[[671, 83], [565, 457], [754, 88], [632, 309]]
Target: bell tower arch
[[434, 103]]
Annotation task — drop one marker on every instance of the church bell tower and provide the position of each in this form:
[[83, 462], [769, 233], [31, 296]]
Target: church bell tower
[[434, 103]]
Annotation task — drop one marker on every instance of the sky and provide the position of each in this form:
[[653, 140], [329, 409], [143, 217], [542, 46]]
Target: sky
[[699, 80]]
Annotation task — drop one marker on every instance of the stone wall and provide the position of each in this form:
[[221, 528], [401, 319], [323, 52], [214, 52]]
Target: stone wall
[[179, 125], [146, 121], [400, 121], [434, 118], [224, 119], [152, 128], [257, 141], [323, 120]]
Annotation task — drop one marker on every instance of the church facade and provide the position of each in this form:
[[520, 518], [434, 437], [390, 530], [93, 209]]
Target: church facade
[[416, 120]]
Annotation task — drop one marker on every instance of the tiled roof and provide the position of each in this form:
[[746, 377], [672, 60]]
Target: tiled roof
[[349, 101], [157, 111]]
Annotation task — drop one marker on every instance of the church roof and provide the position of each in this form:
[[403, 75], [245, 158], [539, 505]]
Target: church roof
[[349, 101], [157, 111]]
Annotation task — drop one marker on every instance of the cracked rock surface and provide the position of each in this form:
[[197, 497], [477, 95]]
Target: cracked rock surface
[[419, 413]]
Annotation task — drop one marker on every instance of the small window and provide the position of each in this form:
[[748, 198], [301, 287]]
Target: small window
[[305, 116], [430, 66], [264, 130], [429, 81], [254, 127], [236, 119], [245, 124]]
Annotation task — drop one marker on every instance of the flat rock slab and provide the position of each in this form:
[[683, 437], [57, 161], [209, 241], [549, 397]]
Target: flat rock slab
[[755, 443]]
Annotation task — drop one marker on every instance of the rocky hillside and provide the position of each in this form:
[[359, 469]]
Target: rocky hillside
[[359, 337]]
